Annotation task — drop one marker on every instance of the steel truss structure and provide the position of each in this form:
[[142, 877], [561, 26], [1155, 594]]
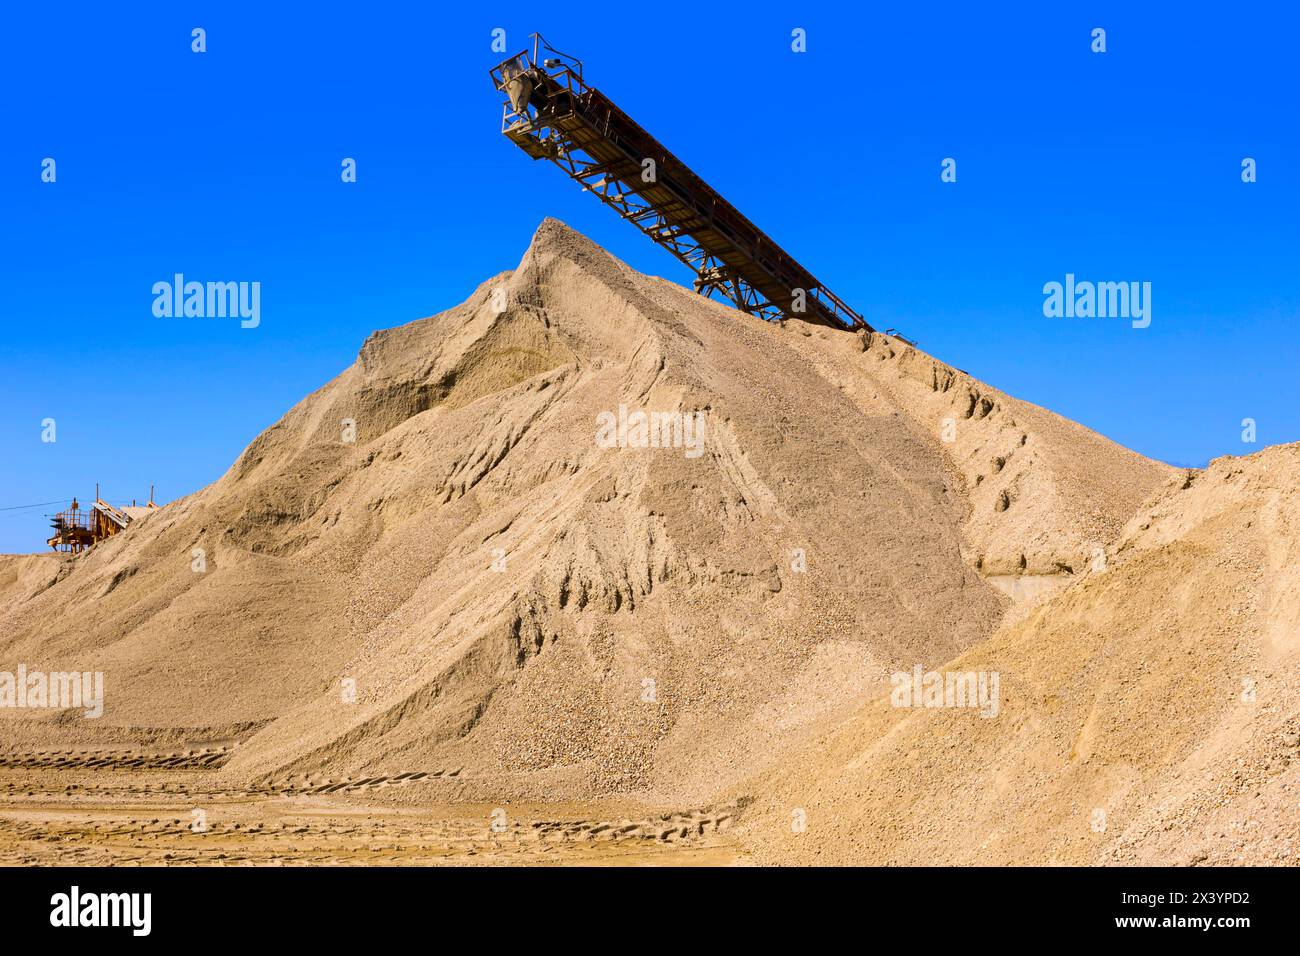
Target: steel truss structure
[[552, 114]]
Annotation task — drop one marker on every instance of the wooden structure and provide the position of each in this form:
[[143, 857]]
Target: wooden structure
[[552, 114]]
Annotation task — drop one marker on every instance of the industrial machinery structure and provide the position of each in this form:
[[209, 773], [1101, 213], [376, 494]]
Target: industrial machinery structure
[[76, 529], [552, 114]]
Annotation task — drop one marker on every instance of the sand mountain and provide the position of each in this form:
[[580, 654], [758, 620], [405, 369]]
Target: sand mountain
[[441, 529], [1150, 713]]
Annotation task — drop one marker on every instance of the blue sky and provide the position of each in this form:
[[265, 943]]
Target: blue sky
[[1122, 166]]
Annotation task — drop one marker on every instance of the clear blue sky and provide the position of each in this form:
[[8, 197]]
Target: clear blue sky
[[225, 166]]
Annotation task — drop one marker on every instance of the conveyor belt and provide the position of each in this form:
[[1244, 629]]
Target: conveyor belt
[[552, 114]]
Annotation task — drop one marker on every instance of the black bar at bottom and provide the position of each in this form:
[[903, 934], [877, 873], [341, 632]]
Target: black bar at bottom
[[369, 906]]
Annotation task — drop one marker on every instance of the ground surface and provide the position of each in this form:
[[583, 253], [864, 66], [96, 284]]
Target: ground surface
[[149, 819]]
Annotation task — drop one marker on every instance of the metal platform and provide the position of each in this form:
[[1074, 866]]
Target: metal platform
[[552, 114]]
